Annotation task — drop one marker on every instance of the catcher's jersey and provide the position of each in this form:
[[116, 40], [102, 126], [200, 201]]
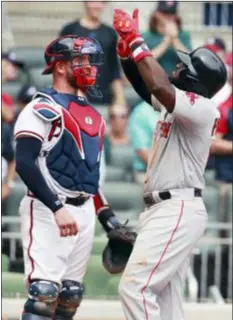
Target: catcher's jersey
[[71, 132], [181, 143]]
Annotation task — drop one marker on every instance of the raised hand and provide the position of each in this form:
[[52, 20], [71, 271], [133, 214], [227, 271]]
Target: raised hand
[[126, 26]]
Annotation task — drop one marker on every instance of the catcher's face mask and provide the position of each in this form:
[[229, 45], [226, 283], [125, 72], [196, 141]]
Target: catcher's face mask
[[87, 58]]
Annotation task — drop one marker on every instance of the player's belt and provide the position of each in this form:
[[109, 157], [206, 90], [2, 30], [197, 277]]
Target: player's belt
[[150, 200], [79, 201]]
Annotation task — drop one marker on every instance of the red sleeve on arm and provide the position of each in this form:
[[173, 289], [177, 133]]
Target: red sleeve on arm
[[222, 123], [7, 100], [100, 201]]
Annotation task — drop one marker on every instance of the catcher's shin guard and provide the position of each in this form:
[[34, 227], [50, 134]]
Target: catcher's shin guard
[[42, 300], [69, 300]]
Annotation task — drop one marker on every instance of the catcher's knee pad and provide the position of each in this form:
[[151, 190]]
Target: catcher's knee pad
[[42, 300], [69, 299]]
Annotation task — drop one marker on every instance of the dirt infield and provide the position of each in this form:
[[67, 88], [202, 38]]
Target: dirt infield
[[111, 310]]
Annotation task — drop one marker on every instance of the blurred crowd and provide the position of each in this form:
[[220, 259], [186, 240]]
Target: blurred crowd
[[129, 126]]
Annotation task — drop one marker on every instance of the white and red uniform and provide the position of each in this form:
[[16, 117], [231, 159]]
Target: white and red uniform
[[71, 133], [152, 283]]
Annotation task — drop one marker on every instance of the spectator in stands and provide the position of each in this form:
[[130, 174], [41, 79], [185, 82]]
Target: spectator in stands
[[8, 162], [166, 35], [118, 129], [222, 145], [7, 111], [91, 26], [24, 96], [10, 67], [10, 72], [218, 46], [142, 124]]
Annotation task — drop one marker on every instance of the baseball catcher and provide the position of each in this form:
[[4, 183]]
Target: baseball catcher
[[59, 139]]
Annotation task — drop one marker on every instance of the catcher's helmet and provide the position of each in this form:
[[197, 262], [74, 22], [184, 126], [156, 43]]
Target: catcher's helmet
[[67, 48], [204, 72]]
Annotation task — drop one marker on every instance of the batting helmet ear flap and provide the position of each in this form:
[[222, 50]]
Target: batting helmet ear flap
[[189, 82]]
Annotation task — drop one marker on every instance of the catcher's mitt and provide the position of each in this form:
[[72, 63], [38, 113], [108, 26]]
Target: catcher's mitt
[[119, 247]]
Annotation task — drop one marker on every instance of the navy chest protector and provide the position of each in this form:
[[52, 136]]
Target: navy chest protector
[[74, 161]]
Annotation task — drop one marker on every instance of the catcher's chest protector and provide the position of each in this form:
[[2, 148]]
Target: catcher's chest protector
[[75, 159]]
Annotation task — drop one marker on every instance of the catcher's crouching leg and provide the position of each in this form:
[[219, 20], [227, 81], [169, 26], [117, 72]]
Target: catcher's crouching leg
[[69, 300], [42, 300]]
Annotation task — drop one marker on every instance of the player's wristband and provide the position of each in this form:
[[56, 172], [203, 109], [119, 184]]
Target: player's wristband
[[139, 49], [57, 204], [108, 220]]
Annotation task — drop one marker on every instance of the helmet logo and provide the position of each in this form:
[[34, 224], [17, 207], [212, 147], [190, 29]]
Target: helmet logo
[[88, 120]]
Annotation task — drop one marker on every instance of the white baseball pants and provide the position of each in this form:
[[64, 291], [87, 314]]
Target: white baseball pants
[[151, 287], [48, 256]]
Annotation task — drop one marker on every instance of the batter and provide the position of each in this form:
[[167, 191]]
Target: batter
[[175, 217]]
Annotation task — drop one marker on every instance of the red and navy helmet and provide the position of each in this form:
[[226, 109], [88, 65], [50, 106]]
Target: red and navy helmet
[[66, 48], [69, 46]]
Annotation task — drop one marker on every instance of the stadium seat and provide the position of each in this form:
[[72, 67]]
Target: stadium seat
[[96, 278], [122, 156], [114, 174], [124, 196], [12, 203], [13, 284], [12, 88], [39, 80], [229, 200], [229, 210], [5, 263], [210, 177], [211, 200], [31, 56]]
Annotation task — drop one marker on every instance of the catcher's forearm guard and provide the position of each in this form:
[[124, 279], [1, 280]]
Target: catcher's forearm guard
[[108, 219]]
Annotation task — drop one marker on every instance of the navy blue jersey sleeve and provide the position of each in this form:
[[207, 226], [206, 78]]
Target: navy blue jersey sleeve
[[132, 73], [27, 151], [7, 144]]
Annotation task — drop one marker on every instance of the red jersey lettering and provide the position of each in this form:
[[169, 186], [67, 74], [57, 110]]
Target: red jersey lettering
[[192, 97]]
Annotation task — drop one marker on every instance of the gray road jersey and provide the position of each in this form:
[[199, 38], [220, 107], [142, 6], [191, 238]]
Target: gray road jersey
[[181, 143]]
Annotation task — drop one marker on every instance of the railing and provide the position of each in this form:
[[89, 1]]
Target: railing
[[198, 287]]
